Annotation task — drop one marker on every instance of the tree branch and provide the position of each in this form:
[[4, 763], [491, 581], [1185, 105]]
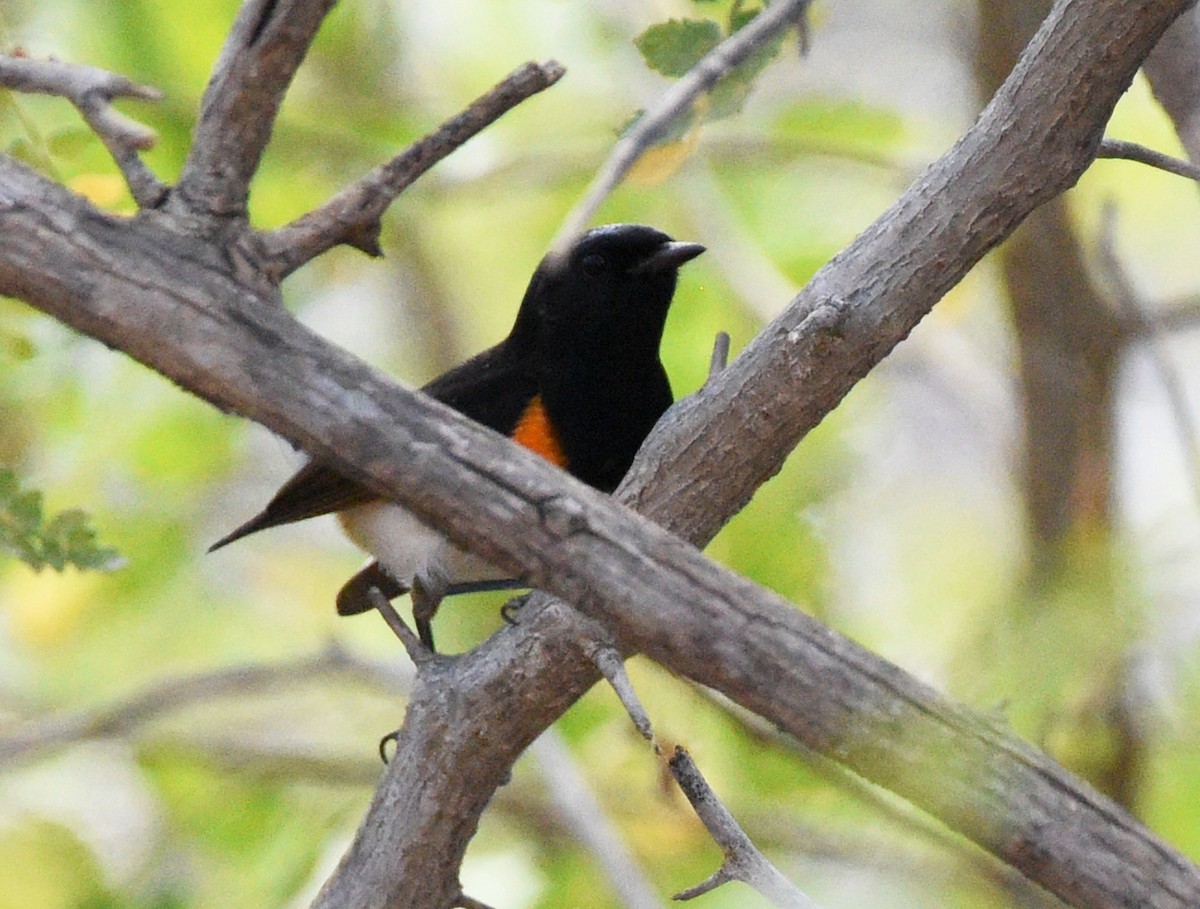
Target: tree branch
[[266, 45], [352, 216], [743, 862], [92, 91], [1131, 151], [1069, 342], [611, 664], [174, 302]]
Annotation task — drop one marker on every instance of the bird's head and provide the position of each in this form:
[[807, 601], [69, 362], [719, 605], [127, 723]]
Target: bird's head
[[613, 284]]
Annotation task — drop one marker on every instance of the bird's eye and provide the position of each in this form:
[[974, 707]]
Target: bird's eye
[[593, 265]]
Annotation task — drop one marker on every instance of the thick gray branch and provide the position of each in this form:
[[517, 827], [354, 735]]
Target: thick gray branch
[[174, 302], [266, 45]]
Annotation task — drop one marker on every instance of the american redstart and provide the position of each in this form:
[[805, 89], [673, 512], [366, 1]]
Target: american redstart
[[578, 380]]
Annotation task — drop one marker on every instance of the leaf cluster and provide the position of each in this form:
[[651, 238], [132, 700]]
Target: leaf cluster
[[39, 541], [675, 46]]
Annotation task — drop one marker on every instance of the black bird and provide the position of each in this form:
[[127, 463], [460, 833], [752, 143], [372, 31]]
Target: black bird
[[578, 380]]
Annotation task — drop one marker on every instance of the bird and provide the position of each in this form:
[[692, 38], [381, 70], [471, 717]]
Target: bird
[[578, 380]]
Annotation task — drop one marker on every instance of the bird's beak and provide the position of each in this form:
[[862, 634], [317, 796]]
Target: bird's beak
[[668, 256]]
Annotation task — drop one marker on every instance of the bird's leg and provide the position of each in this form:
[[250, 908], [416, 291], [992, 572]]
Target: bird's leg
[[428, 591], [508, 612], [354, 597]]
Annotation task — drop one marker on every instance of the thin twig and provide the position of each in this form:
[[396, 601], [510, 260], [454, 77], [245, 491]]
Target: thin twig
[[1180, 314], [1131, 151], [352, 216], [743, 861], [1152, 334], [92, 91], [720, 355], [582, 813], [676, 100], [608, 660], [40, 736]]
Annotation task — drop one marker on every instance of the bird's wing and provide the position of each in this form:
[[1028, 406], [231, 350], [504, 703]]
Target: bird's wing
[[492, 388]]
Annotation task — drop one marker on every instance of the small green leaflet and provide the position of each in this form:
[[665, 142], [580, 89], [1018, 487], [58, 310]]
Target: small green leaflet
[[65, 539]]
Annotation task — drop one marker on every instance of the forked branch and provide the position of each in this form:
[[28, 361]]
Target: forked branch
[[92, 91], [352, 216]]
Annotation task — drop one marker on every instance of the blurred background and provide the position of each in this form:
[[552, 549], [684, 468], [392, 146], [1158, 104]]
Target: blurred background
[[1007, 507]]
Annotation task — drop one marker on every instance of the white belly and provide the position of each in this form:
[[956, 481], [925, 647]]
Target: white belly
[[407, 548]]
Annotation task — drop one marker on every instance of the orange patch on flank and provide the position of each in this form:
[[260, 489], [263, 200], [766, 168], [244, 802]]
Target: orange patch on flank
[[535, 433]]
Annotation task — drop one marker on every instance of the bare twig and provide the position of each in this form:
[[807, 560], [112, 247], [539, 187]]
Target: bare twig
[[677, 99], [53, 732], [265, 46], [1179, 314], [92, 91], [743, 862], [352, 216], [1151, 333], [612, 667], [582, 814], [1131, 151], [720, 355]]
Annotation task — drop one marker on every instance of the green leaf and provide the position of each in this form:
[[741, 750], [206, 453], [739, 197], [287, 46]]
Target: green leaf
[[23, 150], [25, 511], [673, 47], [66, 539]]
